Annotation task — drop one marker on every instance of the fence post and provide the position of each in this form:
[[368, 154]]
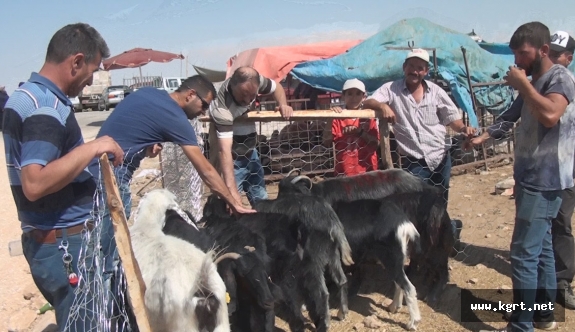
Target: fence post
[[136, 286], [384, 144]]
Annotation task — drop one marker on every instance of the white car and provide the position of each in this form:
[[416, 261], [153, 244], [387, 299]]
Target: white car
[[111, 96], [76, 103]]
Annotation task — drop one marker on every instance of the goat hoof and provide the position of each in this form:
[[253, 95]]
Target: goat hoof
[[412, 326], [430, 300], [341, 315], [393, 307]]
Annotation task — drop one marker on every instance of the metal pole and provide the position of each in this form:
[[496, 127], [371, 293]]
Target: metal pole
[[436, 78], [463, 50]]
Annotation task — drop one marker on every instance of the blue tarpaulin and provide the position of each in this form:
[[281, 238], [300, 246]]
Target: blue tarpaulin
[[503, 50], [375, 63]]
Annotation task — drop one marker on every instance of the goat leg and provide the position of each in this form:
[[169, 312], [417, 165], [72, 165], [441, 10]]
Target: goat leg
[[397, 302], [338, 276], [316, 295]]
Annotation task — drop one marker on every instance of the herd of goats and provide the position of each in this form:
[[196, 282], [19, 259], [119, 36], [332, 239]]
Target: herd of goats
[[225, 273]]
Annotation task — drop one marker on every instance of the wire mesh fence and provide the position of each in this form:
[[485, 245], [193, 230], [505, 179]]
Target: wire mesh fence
[[319, 144], [101, 302]]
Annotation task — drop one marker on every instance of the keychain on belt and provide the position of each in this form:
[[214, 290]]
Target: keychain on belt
[[67, 259]]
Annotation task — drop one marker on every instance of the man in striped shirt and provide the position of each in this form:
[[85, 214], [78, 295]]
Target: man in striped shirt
[[419, 111], [46, 159]]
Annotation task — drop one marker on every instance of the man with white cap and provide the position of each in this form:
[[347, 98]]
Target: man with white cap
[[420, 110], [561, 52], [562, 48]]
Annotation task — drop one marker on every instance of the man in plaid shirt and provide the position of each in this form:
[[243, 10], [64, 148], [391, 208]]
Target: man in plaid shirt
[[419, 111]]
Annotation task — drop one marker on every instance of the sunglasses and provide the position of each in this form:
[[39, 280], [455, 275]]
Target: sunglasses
[[205, 104]]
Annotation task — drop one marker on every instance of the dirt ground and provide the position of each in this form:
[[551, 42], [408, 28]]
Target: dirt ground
[[483, 264]]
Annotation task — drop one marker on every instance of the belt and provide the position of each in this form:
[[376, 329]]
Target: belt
[[50, 236]]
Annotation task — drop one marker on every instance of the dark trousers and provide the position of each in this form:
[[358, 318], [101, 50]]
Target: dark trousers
[[51, 278], [563, 244]]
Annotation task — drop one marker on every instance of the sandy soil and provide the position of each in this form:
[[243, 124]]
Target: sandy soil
[[483, 264]]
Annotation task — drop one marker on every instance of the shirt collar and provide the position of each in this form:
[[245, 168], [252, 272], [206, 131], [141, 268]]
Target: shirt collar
[[424, 82], [39, 79]]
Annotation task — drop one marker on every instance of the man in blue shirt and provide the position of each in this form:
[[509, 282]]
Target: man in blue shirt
[[46, 159], [149, 117]]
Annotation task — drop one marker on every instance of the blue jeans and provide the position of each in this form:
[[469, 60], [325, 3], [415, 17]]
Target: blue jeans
[[249, 175], [51, 278], [439, 177], [532, 261]]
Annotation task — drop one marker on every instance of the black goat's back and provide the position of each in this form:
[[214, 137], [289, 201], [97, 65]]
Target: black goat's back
[[369, 185]]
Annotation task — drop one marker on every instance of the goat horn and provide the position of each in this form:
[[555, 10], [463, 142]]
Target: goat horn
[[229, 255], [250, 248], [293, 170], [302, 177]]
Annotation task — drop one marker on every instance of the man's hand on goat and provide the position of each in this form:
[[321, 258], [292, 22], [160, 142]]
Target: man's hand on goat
[[106, 144], [285, 110], [238, 208]]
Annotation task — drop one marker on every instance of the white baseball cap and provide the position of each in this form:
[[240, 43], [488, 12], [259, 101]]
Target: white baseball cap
[[562, 41], [418, 53], [354, 83]]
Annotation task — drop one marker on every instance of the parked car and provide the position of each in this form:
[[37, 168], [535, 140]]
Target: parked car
[[132, 88], [91, 94], [111, 96]]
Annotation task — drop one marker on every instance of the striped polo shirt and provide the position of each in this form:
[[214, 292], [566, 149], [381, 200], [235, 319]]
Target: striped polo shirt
[[420, 127], [225, 110], [40, 127]]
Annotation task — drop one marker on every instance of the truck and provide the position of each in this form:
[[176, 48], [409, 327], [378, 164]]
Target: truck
[[91, 94], [169, 84]]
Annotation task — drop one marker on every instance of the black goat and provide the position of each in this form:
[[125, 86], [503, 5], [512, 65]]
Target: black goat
[[285, 269], [378, 222], [386, 227], [370, 185], [323, 248], [251, 302]]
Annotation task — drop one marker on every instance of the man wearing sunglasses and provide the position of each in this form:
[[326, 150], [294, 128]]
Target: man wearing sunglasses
[[149, 117], [236, 144]]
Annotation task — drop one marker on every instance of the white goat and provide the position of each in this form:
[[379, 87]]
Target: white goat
[[184, 291]]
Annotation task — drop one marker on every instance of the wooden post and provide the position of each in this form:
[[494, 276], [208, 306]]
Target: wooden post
[[136, 286], [384, 144], [267, 116]]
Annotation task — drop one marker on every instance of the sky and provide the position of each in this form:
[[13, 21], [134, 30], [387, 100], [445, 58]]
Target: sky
[[209, 32]]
